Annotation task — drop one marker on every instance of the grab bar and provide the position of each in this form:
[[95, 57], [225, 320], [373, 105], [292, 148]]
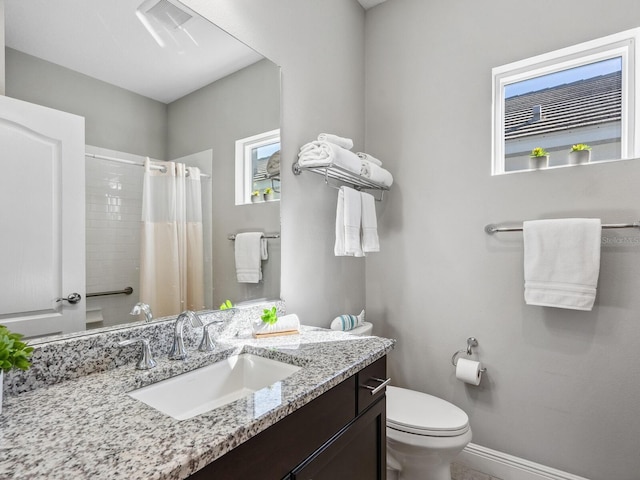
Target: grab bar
[[125, 291], [266, 235]]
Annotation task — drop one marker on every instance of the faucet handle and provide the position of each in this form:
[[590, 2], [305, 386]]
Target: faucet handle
[[207, 345], [146, 361], [142, 307]]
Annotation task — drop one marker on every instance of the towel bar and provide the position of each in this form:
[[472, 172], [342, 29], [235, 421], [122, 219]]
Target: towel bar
[[266, 235], [491, 229]]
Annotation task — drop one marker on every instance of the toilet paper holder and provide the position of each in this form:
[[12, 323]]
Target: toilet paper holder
[[471, 342]]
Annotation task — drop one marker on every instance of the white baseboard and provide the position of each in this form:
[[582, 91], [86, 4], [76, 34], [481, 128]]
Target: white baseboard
[[508, 467]]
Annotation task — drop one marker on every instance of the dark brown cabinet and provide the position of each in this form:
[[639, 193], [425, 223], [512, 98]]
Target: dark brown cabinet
[[339, 435]]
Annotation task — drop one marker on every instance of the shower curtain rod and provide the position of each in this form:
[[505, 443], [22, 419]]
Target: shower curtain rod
[[132, 162]]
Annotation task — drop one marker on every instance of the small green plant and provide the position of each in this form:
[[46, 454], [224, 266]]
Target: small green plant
[[579, 147], [539, 152], [268, 190], [226, 305], [255, 193], [14, 353], [269, 316]]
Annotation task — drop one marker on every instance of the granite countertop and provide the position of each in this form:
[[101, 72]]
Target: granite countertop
[[89, 427]]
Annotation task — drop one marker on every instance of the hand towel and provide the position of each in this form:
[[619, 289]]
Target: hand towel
[[370, 241], [562, 262], [285, 323], [250, 250], [335, 139], [369, 158], [320, 154], [348, 221], [375, 173]]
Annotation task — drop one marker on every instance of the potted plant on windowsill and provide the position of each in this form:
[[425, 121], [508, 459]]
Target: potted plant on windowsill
[[255, 196], [268, 194], [579, 153], [14, 353], [538, 159]]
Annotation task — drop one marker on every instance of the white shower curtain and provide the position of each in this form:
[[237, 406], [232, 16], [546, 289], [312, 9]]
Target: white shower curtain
[[171, 257]]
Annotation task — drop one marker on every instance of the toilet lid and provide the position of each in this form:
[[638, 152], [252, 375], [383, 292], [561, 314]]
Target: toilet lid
[[423, 414]]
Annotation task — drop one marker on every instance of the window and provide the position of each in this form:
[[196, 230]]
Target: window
[[585, 94], [258, 167]]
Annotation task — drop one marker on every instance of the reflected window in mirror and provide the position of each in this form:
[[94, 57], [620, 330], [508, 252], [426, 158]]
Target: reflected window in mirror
[[258, 168], [572, 106]]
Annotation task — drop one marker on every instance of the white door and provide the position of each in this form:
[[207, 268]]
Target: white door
[[42, 222]]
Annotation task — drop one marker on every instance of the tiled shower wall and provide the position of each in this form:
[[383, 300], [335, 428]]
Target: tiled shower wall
[[113, 209]]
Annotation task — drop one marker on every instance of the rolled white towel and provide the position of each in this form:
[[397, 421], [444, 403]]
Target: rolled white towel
[[375, 173], [337, 140], [319, 154], [370, 158], [286, 323]]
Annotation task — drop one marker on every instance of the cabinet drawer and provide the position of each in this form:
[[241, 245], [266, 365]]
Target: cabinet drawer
[[370, 383]]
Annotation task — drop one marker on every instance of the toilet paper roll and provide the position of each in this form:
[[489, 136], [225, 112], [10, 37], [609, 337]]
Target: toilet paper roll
[[469, 371]]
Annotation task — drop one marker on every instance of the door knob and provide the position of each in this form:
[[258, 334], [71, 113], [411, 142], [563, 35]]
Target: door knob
[[71, 298]]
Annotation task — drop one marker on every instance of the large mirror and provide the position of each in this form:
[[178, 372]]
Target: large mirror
[[155, 83]]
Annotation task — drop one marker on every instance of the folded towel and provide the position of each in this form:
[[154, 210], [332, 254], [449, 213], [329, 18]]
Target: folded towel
[[320, 154], [375, 173], [370, 241], [369, 158], [287, 323], [348, 220], [250, 250], [562, 262], [335, 139]]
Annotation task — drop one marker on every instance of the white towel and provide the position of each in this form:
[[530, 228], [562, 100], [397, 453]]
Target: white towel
[[335, 139], [375, 173], [286, 323], [250, 250], [319, 154], [348, 220], [369, 158], [370, 241], [562, 262]]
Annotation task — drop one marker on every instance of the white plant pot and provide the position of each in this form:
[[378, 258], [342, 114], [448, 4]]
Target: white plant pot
[[268, 197], [536, 163], [256, 198], [579, 156]]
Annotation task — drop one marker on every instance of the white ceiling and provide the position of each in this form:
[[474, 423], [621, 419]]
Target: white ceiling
[[105, 40], [367, 4]]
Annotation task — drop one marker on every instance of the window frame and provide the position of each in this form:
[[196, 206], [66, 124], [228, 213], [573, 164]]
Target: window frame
[[622, 44], [244, 166]]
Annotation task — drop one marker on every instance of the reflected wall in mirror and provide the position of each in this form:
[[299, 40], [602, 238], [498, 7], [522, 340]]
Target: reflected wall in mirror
[[153, 81]]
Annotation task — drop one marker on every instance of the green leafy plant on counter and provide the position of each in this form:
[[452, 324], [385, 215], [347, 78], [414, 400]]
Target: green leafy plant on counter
[[579, 147], [269, 316], [255, 193], [14, 353], [226, 305], [268, 191], [539, 152]]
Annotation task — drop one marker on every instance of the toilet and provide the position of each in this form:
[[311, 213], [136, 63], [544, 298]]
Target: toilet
[[424, 433]]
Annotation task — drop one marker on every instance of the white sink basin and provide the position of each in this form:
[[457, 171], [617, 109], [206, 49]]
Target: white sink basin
[[190, 394]]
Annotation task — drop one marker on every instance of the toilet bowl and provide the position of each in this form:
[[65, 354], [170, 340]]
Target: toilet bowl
[[424, 434], [363, 330]]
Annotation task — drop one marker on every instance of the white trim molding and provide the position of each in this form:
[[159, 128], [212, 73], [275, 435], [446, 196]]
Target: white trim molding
[[505, 466]]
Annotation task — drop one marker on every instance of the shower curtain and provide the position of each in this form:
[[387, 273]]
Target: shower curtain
[[171, 257]]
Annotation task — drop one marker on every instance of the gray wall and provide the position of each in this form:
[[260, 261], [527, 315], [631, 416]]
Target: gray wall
[[115, 118], [319, 44], [2, 47], [214, 117], [563, 387]]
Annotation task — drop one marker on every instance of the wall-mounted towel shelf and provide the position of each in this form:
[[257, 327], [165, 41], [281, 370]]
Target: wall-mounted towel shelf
[[266, 235], [336, 172], [491, 229]]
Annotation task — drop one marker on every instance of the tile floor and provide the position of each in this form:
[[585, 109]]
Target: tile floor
[[460, 472]]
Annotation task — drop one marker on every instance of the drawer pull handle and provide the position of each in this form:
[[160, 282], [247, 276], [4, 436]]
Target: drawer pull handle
[[375, 390]]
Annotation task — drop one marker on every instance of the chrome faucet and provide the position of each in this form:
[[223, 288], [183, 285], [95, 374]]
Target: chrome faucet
[[145, 361], [207, 344], [178, 351], [141, 307]]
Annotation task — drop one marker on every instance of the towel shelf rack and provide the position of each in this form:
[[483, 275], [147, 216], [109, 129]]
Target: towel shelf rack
[[491, 229], [336, 172]]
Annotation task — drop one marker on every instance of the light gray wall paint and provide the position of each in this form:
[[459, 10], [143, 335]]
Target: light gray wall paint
[[115, 118], [2, 75], [319, 44], [563, 387], [214, 117]]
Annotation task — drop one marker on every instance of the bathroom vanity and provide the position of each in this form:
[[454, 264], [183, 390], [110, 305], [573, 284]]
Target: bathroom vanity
[[320, 422]]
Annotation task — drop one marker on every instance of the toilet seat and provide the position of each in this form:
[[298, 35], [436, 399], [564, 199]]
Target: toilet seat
[[423, 414]]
